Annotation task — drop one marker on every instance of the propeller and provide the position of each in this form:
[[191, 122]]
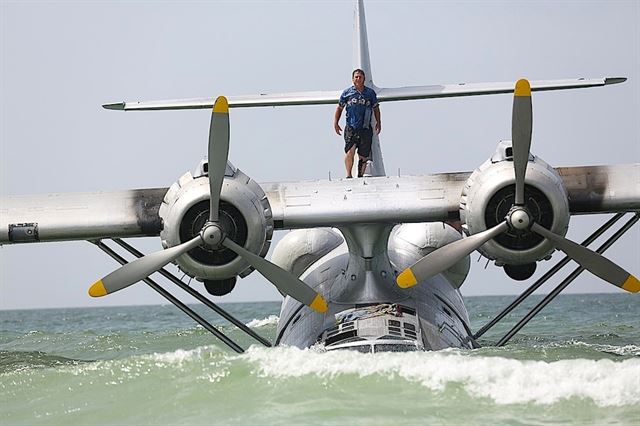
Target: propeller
[[518, 218], [212, 234], [218, 153], [521, 126]]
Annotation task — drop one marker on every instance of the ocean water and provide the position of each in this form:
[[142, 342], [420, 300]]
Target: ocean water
[[578, 363]]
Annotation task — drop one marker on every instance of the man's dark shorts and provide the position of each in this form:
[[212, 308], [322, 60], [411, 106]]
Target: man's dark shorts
[[361, 138]]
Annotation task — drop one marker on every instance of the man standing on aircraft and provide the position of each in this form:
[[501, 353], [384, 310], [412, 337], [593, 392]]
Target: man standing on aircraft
[[360, 102]]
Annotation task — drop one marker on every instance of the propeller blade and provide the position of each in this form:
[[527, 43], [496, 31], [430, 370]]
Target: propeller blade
[[283, 280], [218, 153], [591, 261], [521, 125], [446, 256], [140, 268]]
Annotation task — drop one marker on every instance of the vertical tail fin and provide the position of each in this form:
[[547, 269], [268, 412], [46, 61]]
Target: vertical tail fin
[[361, 60], [360, 43]]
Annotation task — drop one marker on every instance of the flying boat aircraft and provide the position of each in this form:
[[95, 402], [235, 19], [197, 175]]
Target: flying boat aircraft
[[370, 264]]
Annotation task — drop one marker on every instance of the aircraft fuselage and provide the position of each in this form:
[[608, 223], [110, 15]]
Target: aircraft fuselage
[[355, 268]]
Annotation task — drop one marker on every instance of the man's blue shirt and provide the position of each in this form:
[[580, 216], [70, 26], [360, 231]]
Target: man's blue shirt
[[359, 106]]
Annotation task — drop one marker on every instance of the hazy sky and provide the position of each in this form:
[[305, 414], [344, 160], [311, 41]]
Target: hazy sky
[[61, 60]]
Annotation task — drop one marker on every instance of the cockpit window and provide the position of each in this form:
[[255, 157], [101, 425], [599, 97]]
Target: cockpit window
[[365, 349], [394, 348], [381, 324]]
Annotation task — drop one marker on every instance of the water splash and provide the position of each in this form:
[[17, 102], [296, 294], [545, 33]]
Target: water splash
[[270, 320], [503, 380]]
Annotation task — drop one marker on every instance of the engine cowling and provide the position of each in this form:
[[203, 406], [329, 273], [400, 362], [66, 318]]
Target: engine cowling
[[245, 215], [489, 194]]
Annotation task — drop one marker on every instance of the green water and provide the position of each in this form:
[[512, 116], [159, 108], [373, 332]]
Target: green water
[[578, 362]]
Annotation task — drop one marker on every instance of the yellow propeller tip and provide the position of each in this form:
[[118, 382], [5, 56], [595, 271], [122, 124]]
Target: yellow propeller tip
[[221, 105], [97, 289], [631, 284], [523, 88], [406, 279], [319, 304]]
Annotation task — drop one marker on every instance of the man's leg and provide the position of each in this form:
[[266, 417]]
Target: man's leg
[[348, 160], [364, 150], [362, 165]]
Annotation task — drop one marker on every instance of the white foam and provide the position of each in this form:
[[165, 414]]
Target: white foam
[[627, 350], [505, 381], [270, 320], [178, 356]]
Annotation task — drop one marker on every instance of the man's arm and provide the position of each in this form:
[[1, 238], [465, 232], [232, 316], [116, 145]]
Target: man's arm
[[336, 118], [376, 114]]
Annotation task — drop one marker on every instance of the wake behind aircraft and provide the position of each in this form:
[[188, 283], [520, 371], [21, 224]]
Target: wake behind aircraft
[[371, 264]]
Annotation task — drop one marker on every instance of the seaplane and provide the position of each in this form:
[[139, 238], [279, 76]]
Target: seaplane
[[372, 264]]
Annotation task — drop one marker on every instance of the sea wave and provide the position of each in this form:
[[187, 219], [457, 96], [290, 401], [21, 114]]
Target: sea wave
[[503, 380], [16, 361], [626, 350]]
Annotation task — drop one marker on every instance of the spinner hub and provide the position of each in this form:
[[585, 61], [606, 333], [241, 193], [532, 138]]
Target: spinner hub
[[537, 208]]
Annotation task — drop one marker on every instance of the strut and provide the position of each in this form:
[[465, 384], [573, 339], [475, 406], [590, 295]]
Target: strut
[[551, 273], [184, 308], [205, 301]]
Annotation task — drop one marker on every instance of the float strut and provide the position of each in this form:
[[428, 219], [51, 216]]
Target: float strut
[[551, 272], [556, 291], [208, 303], [184, 308]]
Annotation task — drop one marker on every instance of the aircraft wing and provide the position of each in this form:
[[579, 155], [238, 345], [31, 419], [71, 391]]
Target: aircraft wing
[[80, 216], [134, 213], [384, 95]]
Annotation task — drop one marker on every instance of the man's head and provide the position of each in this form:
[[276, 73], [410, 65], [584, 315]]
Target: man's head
[[358, 77]]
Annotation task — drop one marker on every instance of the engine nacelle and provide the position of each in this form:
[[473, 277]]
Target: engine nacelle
[[245, 216], [410, 242], [301, 248], [488, 195]]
